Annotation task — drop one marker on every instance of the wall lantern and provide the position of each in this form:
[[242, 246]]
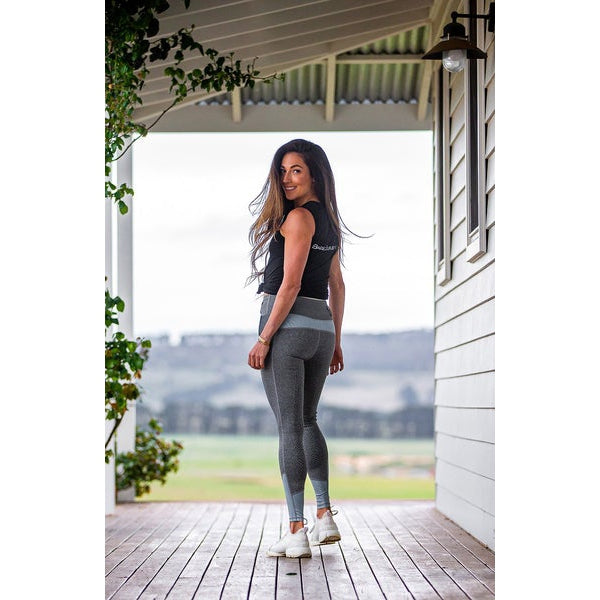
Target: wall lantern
[[455, 48]]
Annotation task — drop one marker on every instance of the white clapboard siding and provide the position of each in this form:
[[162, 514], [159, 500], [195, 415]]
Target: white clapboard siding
[[490, 179], [491, 208], [465, 484], [464, 325], [472, 391], [457, 149], [457, 239], [475, 357], [462, 269], [490, 136], [477, 522], [457, 178], [473, 455], [457, 90], [458, 212], [490, 101], [470, 293], [457, 122], [490, 63], [473, 324], [467, 423]]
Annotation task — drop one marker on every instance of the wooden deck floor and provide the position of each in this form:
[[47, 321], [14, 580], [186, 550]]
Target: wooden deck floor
[[185, 550]]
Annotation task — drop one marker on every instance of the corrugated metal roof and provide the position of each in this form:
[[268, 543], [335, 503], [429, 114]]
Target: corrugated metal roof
[[367, 83], [298, 37]]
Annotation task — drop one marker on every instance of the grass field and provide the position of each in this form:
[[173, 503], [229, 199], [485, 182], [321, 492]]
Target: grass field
[[229, 467]]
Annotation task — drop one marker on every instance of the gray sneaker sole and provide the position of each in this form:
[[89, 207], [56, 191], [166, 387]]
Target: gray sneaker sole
[[292, 553], [330, 539]]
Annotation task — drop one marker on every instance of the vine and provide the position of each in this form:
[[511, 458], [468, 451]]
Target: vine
[[132, 45]]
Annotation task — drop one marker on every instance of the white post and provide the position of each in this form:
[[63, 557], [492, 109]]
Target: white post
[[126, 432], [330, 89], [109, 480]]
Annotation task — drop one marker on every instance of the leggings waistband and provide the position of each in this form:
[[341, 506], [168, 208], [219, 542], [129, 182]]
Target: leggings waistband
[[306, 313], [315, 308]]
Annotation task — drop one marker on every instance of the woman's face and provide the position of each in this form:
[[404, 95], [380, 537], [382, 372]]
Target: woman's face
[[296, 179]]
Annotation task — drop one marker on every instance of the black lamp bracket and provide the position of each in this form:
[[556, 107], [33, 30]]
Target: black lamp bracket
[[490, 17]]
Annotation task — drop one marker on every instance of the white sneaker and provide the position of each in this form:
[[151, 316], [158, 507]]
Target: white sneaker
[[324, 531], [292, 545]]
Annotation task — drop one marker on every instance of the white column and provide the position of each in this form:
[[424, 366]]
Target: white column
[[109, 480], [126, 432], [236, 104]]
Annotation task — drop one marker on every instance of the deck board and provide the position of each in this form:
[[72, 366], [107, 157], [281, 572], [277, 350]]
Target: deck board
[[466, 558], [289, 576], [461, 576], [407, 570], [394, 550], [139, 550]]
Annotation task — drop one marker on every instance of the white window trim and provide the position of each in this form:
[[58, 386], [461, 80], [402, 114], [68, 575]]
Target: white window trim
[[477, 238], [444, 266]]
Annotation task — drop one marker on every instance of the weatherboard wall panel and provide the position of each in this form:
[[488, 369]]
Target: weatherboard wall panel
[[490, 102], [490, 136], [468, 294], [490, 63], [476, 356], [457, 91], [462, 269], [490, 173], [458, 210], [468, 391], [457, 148], [470, 486], [491, 208], [475, 323], [472, 519], [457, 239], [457, 179], [473, 455], [466, 423], [464, 331], [457, 122]]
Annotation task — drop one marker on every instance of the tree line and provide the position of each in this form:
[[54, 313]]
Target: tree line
[[204, 417]]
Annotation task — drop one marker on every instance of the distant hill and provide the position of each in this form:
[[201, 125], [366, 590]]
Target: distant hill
[[205, 380]]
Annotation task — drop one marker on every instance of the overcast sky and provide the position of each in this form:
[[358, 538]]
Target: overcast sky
[[191, 224]]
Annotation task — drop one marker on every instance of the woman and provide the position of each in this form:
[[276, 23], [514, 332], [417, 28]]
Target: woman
[[299, 340]]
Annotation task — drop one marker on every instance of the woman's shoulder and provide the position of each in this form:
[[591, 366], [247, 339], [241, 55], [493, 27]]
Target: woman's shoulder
[[299, 219]]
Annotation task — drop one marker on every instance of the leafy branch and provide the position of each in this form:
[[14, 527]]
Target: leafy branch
[[153, 459], [131, 45], [123, 363]]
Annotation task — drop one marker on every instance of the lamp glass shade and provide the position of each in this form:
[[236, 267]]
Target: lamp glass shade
[[454, 60]]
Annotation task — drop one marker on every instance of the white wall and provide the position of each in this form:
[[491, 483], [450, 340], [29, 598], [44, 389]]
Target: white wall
[[465, 330]]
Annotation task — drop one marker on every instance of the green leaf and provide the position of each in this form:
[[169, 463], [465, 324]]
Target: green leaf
[[152, 28], [123, 207]]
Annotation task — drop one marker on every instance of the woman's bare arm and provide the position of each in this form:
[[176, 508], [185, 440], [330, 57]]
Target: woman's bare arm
[[337, 299]]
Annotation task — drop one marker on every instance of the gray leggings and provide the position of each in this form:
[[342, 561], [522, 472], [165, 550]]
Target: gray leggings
[[293, 377]]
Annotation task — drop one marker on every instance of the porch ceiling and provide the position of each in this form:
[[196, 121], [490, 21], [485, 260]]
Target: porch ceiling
[[349, 64]]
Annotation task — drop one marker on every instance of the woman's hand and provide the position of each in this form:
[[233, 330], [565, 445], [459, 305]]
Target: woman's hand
[[257, 356], [337, 361]]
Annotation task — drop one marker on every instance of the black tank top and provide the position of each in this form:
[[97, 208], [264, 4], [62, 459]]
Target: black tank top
[[323, 246]]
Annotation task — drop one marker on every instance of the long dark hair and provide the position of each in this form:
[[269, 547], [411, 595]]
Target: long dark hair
[[271, 206]]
